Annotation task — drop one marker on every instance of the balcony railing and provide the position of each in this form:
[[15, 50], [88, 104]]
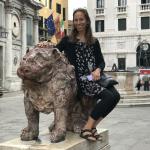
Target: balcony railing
[[99, 11], [121, 9], [145, 7]]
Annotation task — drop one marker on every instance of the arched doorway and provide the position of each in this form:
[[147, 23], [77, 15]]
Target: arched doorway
[[143, 55]]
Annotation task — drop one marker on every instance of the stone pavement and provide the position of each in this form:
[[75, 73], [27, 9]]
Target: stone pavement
[[128, 127]]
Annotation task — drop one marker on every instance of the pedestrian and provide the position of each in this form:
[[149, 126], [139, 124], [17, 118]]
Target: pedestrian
[[114, 67], [146, 82], [84, 52], [138, 85]]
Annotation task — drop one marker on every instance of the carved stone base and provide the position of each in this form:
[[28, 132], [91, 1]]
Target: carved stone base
[[72, 142]]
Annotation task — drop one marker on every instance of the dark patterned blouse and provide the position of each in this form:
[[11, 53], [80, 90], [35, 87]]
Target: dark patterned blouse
[[85, 59], [85, 64]]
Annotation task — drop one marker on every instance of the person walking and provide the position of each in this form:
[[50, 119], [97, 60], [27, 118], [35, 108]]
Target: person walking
[[84, 52], [138, 85], [146, 82]]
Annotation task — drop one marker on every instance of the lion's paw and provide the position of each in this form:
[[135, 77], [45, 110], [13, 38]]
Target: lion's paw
[[28, 135], [57, 136]]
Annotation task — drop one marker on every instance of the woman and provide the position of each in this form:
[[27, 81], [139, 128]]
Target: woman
[[84, 52]]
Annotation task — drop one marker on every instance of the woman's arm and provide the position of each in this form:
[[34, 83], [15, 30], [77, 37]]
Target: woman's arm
[[62, 44], [100, 63]]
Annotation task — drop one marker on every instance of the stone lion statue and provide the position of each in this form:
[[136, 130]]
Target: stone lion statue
[[49, 85]]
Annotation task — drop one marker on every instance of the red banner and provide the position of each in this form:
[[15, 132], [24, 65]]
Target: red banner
[[144, 71]]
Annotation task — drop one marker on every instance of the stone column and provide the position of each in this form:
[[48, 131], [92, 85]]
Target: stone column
[[24, 34], [8, 52], [36, 30]]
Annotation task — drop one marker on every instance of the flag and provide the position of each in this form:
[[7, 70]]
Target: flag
[[62, 28], [49, 22], [57, 26]]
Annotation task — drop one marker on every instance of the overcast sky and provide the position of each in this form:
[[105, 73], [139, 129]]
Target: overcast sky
[[73, 4]]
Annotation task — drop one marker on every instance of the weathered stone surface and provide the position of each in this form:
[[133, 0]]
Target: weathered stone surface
[[72, 142], [127, 81], [49, 86]]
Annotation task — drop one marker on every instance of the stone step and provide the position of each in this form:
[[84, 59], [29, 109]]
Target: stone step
[[127, 92], [142, 98], [2, 90], [72, 142], [136, 100], [139, 95], [133, 104]]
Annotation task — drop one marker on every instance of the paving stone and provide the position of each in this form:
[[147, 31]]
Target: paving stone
[[123, 123], [72, 142]]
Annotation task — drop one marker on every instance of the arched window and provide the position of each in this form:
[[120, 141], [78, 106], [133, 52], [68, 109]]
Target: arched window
[[143, 55]]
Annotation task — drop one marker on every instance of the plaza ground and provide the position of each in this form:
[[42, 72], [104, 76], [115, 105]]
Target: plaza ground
[[128, 127]]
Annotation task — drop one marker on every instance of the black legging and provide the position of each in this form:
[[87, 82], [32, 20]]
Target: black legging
[[109, 98]]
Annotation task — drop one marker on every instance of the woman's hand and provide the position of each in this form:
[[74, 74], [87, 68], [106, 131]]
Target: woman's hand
[[96, 74]]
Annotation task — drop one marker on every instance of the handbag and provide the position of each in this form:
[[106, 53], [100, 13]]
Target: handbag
[[107, 81]]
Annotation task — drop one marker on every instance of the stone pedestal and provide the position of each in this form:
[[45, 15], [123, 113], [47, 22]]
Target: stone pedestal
[[72, 142], [127, 81]]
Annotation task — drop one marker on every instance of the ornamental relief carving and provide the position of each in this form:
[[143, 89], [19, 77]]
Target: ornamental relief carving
[[15, 26]]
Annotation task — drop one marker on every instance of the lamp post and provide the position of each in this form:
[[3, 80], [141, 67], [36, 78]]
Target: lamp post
[[143, 52], [140, 55], [140, 49]]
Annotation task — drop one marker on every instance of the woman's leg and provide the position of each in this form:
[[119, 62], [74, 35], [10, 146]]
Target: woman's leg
[[116, 96], [109, 98], [86, 132]]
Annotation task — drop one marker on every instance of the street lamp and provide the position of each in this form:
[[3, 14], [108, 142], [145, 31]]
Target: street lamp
[[143, 52], [145, 47], [139, 51]]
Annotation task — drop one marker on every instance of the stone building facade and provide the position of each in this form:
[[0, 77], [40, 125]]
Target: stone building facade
[[18, 31], [123, 29]]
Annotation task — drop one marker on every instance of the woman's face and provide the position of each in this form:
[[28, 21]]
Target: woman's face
[[79, 21]]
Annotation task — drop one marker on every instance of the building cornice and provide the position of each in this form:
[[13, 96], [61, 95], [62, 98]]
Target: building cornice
[[36, 4], [122, 34], [9, 7]]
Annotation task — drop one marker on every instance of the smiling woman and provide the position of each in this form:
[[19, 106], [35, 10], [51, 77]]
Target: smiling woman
[[80, 24], [84, 53]]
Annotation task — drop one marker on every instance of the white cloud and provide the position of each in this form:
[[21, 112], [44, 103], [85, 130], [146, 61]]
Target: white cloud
[[74, 4]]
